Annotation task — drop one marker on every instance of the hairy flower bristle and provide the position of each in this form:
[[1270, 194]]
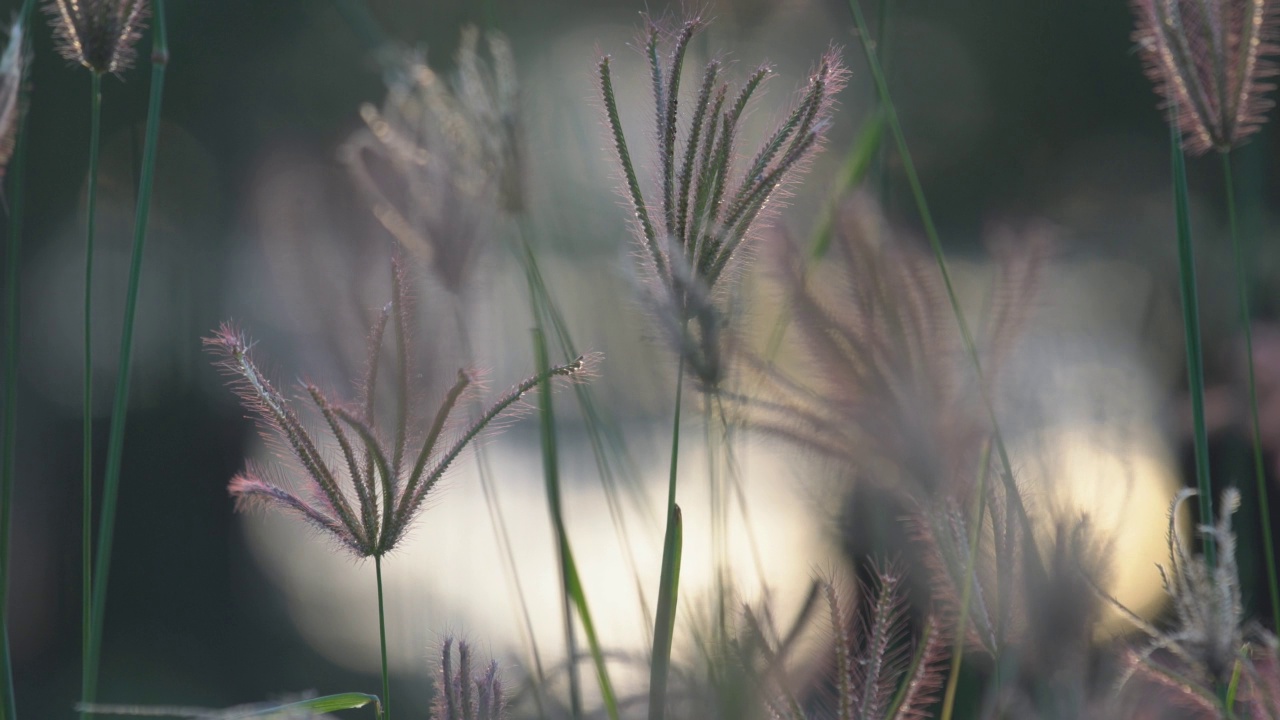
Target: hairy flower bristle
[[390, 481], [707, 209], [1210, 61], [464, 696], [98, 34], [439, 151]]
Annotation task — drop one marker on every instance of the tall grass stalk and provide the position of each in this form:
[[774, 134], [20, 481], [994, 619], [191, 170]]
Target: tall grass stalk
[[551, 476], [572, 581], [718, 516], [1031, 554], [120, 404], [8, 443], [1191, 326], [86, 521], [601, 434], [382, 638], [966, 596], [498, 521], [1260, 475]]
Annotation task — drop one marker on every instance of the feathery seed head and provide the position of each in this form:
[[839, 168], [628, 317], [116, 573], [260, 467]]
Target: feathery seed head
[[704, 208], [389, 478], [98, 34], [886, 390], [1210, 61], [1210, 639], [438, 152], [461, 695]]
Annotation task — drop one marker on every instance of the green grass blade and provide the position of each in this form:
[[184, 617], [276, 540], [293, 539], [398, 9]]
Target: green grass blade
[[665, 624], [8, 443], [326, 704], [119, 407], [1259, 473], [86, 529], [574, 587], [551, 474], [966, 596], [1191, 326], [1031, 555], [856, 166]]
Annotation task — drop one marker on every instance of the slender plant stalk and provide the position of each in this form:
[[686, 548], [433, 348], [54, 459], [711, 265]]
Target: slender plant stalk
[[86, 521], [1191, 326], [1242, 285], [120, 404], [572, 587], [498, 521], [966, 596], [551, 475], [382, 638], [1032, 556], [719, 521], [669, 584], [8, 443]]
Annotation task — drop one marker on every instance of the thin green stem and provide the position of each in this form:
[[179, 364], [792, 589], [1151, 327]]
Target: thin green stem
[[669, 584], [1031, 554], [382, 638], [120, 403], [966, 596], [86, 520], [498, 521], [1191, 326], [551, 475], [8, 443], [1242, 285]]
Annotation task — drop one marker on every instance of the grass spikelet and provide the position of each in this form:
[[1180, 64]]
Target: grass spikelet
[[98, 34], [1211, 63]]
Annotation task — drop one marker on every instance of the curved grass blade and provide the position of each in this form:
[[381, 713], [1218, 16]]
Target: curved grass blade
[[8, 444], [326, 704], [664, 626], [120, 404]]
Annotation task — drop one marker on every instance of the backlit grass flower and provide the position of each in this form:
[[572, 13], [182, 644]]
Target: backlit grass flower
[[98, 34], [391, 472], [1210, 60], [440, 151], [461, 695], [707, 203]]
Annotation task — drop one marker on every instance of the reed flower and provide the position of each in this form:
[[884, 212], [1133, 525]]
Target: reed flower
[[704, 208], [389, 478], [98, 34], [464, 696], [438, 152], [1210, 61]]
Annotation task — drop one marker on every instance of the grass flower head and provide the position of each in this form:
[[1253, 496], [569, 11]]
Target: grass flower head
[[704, 207], [390, 480], [1210, 61], [437, 153], [98, 34]]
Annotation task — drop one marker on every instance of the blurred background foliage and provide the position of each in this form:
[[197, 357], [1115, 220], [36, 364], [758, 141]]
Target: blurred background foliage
[[1018, 112]]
